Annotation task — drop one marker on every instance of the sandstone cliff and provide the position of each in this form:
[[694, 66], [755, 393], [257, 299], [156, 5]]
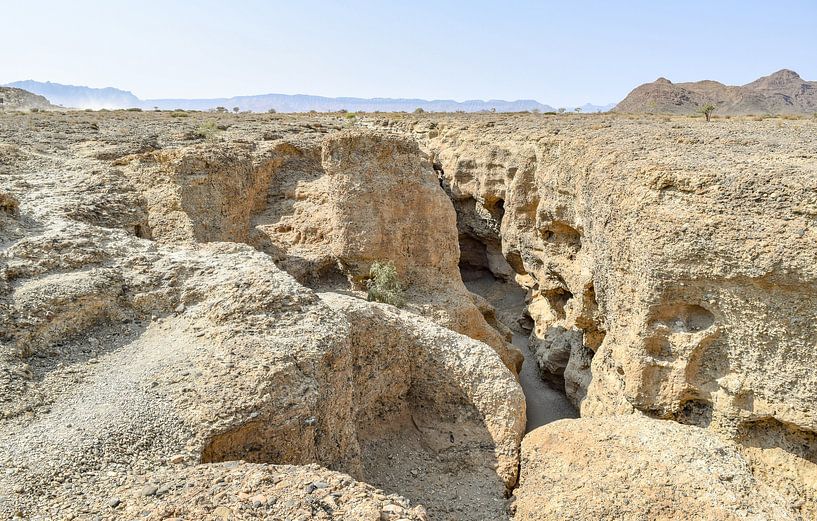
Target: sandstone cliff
[[180, 294], [670, 266]]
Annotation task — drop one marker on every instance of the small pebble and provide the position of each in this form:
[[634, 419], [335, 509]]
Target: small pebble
[[149, 490]]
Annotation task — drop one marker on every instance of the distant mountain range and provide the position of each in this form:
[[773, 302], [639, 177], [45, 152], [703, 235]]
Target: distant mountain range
[[110, 98], [783, 92]]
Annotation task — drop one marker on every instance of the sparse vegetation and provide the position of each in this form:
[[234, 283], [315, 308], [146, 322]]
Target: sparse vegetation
[[707, 111], [134, 109], [384, 285], [179, 114], [271, 111], [207, 130], [577, 110], [419, 110], [221, 109], [236, 109]]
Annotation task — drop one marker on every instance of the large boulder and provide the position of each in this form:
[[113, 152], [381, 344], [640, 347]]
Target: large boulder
[[635, 468]]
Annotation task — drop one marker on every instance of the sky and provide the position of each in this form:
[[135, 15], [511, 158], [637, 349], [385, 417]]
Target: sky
[[559, 53]]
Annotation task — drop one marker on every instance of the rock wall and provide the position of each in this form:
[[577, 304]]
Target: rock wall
[[627, 467], [670, 266], [142, 336], [325, 209], [155, 319]]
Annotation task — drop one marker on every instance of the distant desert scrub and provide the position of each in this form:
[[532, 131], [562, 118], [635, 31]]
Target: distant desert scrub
[[207, 130], [179, 114]]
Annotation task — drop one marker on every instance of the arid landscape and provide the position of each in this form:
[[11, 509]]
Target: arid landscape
[[606, 316]]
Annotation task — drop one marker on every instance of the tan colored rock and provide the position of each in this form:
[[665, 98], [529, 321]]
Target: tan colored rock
[[325, 209], [433, 402], [257, 491], [632, 468], [120, 355], [670, 265]]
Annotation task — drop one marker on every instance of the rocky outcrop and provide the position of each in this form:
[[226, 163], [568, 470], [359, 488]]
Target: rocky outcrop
[[783, 92], [325, 208], [661, 282], [635, 468], [18, 99], [436, 403], [123, 356], [236, 490], [155, 315]]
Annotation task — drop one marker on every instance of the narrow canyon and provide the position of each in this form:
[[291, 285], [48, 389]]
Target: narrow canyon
[[604, 317]]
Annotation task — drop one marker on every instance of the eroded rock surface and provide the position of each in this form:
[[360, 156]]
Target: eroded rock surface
[[157, 316], [236, 490], [670, 265], [137, 341], [632, 468]]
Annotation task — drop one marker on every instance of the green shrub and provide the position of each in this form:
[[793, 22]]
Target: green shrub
[[179, 114], [707, 111], [134, 109], [207, 130], [383, 284]]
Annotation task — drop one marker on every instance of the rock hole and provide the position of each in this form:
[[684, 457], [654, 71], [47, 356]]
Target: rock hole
[[683, 318], [562, 236], [558, 299], [141, 231], [695, 412], [474, 263]]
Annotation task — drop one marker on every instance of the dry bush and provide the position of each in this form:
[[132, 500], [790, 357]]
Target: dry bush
[[384, 285]]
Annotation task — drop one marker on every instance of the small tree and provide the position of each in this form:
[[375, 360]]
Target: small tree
[[221, 109], [707, 111], [383, 284], [561, 110], [236, 109], [577, 110], [419, 110], [271, 111]]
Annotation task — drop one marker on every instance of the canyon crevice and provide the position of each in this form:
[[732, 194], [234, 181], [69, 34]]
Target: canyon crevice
[[178, 310]]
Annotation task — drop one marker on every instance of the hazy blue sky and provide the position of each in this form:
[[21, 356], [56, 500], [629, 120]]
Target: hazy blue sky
[[562, 53]]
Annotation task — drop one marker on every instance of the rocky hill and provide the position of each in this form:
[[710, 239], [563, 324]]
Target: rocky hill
[[185, 331], [783, 92], [74, 96], [18, 99]]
